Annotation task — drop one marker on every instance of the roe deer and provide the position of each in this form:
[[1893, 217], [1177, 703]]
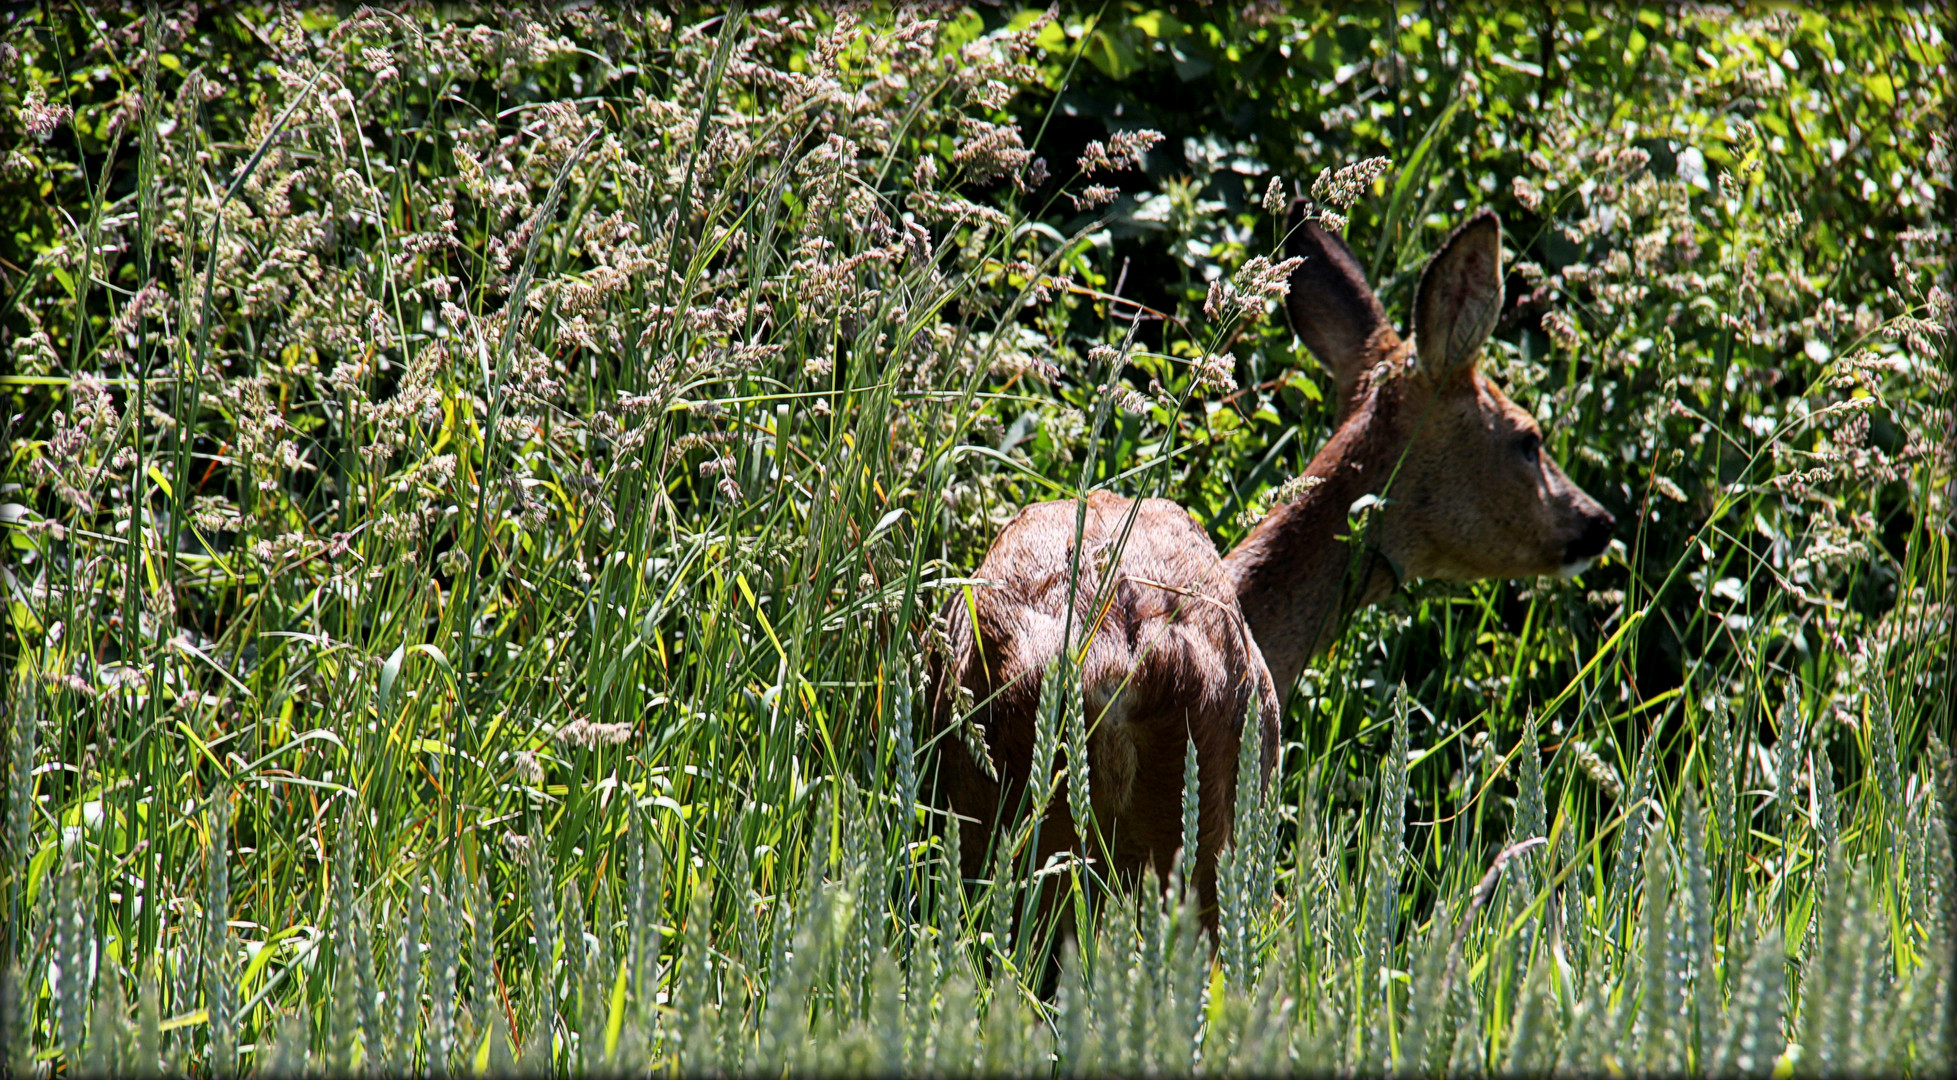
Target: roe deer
[[1186, 638]]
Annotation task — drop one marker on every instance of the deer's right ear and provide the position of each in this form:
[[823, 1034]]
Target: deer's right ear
[[1330, 305], [1459, 298]]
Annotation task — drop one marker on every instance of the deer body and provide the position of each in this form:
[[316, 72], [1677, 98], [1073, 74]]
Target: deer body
[[1167, 661], [1181, 641]]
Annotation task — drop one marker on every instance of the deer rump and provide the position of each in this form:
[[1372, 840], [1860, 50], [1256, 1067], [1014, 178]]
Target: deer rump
[[1168, 659]]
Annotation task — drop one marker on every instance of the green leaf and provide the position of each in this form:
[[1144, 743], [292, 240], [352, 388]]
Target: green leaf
[[390, 671], [1159, 24], [1881, 88], [1110, 50]]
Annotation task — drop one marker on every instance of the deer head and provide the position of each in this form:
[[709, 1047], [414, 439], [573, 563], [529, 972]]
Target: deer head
[[1469, 492]]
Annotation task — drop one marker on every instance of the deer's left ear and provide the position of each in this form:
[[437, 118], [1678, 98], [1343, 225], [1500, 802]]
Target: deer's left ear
[[1460, 297]]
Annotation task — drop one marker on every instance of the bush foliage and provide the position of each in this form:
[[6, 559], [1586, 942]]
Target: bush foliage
[[480, 485]]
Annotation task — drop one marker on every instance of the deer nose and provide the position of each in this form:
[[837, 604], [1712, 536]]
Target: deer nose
[[1592, 541]]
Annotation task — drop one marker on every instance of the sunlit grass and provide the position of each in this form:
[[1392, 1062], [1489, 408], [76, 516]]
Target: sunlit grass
[[403, 684]]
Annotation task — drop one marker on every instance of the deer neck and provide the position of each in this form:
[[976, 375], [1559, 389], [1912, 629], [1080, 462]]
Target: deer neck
[[1296, 580]]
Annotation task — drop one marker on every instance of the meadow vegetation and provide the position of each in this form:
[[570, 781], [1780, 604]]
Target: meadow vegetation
[[481, 485]]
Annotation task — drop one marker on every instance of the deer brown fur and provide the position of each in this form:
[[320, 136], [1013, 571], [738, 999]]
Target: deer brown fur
[[1182, 640]]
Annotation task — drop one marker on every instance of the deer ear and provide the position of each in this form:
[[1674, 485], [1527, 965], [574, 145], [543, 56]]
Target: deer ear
[[1330, 305], [1460, 297]]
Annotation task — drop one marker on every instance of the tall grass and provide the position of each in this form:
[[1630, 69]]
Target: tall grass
[[481, 492]]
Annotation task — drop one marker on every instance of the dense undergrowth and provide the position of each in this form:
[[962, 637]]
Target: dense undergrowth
[[479, 486]]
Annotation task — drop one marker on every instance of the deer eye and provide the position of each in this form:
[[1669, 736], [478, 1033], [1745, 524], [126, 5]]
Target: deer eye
[[1529, 445]]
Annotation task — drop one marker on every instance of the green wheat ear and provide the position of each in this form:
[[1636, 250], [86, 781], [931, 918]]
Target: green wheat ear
[[289, 1052], [1427, 1027], [1537, 1022], [1631, 836], [218, 986], [365, 989], [444, 961], [1725, 770], [108, 1025], [405, 994], [1698, 948], [1531, 813], [1661, 976], [1383, 875], [148, 1057]]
